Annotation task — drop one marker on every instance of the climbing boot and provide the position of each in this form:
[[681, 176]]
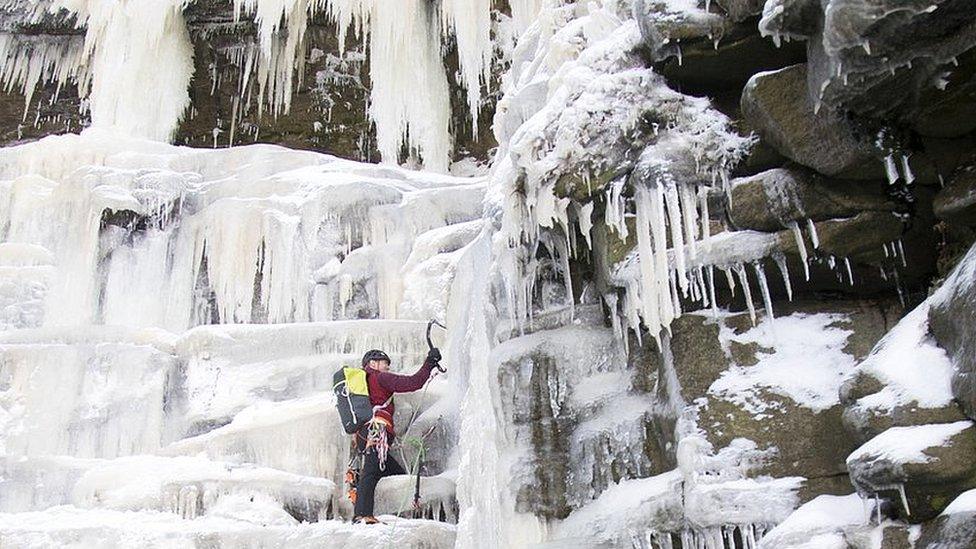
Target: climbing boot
[[370, 519]]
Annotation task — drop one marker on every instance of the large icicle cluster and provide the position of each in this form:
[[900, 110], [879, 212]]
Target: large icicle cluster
[[173, 317], [588, 114], [134, 64], [252, 243], [119, 62]]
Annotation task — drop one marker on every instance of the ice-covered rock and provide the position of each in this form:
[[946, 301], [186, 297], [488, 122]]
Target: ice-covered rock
[[921, 468], [882, 60], [827, 522], [632, 509], [568, 399], [775, 383], [190, 486], [772, 200]]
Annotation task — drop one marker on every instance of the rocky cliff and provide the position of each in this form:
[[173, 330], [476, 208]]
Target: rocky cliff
[[713, 283]]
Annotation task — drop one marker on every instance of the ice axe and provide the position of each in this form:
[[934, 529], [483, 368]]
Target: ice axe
[[430, 344]]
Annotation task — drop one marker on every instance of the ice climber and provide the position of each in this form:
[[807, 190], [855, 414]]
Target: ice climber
[[373, 439]]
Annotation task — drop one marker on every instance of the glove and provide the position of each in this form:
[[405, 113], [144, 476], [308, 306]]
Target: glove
[[433, 356]]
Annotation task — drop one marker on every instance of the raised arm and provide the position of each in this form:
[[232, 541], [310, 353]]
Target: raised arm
[[404, 384]]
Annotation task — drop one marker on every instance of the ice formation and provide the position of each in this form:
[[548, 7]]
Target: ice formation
[[590, 86], [176, 318], [144, 44], [173, 316]]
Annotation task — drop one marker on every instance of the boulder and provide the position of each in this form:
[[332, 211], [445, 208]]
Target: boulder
[[886, 60], [768, 201], [952, 320], [776, 103], [956, 202], [920, 468], [954, 528]]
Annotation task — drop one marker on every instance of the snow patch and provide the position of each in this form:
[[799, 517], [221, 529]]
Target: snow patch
[[800, 356]]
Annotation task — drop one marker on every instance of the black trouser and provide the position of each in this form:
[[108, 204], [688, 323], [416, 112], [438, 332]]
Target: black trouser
[[370, 475]]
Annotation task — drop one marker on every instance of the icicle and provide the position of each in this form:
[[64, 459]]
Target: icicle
[[907, 170], [471, 22], [764, 289], [405, 54], [649, 285], [585, 219], [711, 290], [730, 280], [746, 290], [673, 208], [675, 299], [690, 211], [812, 229], [890, 169], [901, 295], [801, 247], [567, 277], [904, 499], [749, 537], [850, 273], [901, 251], [780, 260], [706, 229]]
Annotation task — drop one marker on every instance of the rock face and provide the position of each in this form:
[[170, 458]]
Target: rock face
[[725, 368], [777, 105], [954, 528], [695, 302]]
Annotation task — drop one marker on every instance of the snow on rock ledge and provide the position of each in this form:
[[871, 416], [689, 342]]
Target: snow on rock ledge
[[905, 381], [922, 468]]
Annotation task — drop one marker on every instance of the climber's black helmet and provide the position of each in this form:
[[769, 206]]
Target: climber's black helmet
[[375, 354]]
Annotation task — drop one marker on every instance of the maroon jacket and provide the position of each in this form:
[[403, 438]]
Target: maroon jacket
[[382, 385]]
